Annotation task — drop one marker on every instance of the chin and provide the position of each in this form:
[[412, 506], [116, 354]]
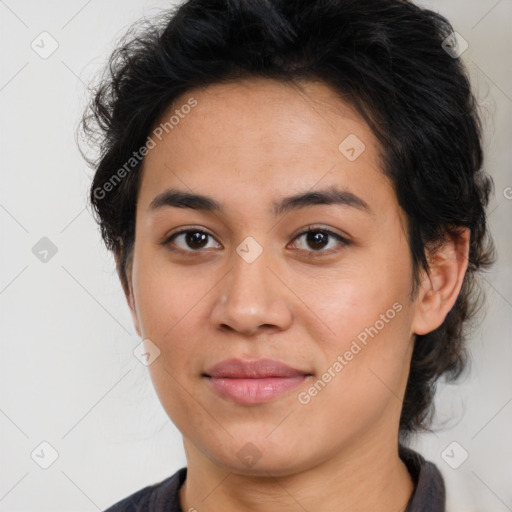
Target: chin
[[260, 457]]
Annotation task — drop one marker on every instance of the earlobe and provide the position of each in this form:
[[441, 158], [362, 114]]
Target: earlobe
[[441, 286]]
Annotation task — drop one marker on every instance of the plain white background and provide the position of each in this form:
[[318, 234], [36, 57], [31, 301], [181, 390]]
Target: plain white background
[[68, 375]]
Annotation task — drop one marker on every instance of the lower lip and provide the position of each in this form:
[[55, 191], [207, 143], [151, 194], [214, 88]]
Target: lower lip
[[254, 391]]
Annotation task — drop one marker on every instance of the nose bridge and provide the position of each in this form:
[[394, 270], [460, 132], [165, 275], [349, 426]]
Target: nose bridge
[[250, 267], [251, 294]]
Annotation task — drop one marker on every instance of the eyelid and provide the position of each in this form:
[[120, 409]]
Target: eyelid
[[343, 239], [319, 227], [183, 230]]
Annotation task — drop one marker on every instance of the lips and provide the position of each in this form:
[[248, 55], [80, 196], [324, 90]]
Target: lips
[[258, 369], [253, 382]]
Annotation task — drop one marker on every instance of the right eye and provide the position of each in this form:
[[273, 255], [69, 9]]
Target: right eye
[[194, 239]]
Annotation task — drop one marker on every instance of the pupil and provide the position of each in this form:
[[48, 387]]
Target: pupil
[[317, 238], [196, 238]]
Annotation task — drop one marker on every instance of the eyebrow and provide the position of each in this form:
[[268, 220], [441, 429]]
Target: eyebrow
[[181, 199]]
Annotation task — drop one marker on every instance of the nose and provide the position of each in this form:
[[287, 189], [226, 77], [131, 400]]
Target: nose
[[252, 298]]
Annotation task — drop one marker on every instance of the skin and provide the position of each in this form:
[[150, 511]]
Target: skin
[[247, 144]]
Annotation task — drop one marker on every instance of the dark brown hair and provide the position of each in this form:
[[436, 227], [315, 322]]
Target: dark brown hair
[[387, 58]]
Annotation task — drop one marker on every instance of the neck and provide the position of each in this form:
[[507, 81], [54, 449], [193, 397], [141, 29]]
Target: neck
[[369, 477]]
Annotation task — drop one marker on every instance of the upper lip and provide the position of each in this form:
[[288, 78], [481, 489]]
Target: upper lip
[[252, 369]]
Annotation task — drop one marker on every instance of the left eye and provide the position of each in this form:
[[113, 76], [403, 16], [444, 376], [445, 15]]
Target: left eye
[[318, 239], [315, 238]]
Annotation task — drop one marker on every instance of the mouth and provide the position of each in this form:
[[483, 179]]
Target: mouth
[[254, 391], [253, 382], [253, 369]]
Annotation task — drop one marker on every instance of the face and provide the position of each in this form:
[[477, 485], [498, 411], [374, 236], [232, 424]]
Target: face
[[247, 281]]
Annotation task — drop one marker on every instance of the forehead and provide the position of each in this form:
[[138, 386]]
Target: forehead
[[260, 138]]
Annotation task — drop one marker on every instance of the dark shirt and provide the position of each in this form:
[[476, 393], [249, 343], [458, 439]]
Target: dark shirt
[[428, 495]]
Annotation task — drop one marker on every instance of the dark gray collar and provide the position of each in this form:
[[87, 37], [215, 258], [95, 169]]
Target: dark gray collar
[[429, 493]]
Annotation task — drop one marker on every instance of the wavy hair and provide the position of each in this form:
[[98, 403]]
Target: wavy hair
[[387, 58]]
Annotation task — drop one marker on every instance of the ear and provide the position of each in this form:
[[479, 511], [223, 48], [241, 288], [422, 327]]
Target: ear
[[440, 287], [127, 286]]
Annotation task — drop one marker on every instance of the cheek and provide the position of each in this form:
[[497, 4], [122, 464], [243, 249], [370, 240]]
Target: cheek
[[364, 373], [353, 300], [168, 308], [166, 298], [368, 313]]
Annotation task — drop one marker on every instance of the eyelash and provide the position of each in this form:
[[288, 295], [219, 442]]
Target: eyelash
[[311, 229]]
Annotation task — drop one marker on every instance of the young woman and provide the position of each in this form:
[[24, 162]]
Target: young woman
[[294, 198]]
